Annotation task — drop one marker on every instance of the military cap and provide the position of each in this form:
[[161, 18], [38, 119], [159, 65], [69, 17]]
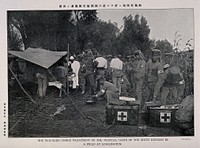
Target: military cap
[[156, 52], [128, 56], [132, 56], [119, 56], [137, 52], [166, 66]]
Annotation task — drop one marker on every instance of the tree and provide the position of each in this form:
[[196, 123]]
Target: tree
[[135, 35], [43, 29], [83, 21], [164, 46]]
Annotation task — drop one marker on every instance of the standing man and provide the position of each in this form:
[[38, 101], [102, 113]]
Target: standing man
[[108, 72], [132, 78], [154, 73], [139, 75], [117, 65], [61, 74], [128, 68], [89, 73], [75, 68], [41, 75], [82, 81], [100, 68]]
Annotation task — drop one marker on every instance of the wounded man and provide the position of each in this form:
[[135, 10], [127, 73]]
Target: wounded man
[[109, 91]]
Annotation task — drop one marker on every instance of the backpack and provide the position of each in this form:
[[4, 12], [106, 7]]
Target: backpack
[[173, 76]]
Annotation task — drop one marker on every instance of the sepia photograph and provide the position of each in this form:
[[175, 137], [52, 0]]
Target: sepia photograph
[[100, 73]]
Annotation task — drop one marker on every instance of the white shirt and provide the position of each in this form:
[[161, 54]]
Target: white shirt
[[102, 63], [116, 63], [75, 67]]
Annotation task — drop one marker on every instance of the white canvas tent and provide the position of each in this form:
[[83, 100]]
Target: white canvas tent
[[39, 56]]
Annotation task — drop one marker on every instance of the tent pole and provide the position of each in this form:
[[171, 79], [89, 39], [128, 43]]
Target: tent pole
[[21, 86], [67, 69]]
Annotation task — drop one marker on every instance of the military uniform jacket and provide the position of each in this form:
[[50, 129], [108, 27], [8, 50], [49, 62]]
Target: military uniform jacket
[[140, 69], [108, 86], [153, 70]]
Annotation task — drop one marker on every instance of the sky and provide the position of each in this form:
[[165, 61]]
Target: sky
[[163, 23]]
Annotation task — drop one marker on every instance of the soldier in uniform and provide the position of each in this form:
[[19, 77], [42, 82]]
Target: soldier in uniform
[[42, 80], [89, 73], [117, 73], [75, 68], [109, 91], [61, 74], [81, 74], [100, 68], [154, 72], [139, 75], [171, 80], [108, 72], [132, 80], [126, 86], [128, 68]]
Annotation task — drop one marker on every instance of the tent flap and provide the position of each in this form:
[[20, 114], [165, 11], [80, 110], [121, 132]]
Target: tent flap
[[39, 56]]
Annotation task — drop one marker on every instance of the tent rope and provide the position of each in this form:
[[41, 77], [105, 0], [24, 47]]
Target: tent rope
[[21, 86]]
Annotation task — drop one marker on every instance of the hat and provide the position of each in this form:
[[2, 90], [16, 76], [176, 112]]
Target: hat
[[166, 66], [128, 56], [137, 52], [71, 58], [156, 52], [119, 56], [109, 56]]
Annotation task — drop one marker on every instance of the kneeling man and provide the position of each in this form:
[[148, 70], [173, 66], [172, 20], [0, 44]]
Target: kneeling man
[[110, 91]]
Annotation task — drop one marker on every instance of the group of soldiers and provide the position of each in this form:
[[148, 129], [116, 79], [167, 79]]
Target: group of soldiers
[[112, 76], [146, 81]]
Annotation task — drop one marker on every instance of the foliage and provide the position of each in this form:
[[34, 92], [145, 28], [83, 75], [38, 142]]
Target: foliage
[[135, 35], [164, 46], [81, 29]]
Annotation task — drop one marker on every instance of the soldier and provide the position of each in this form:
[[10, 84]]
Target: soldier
[[42, 80], [139, 75], [61, 74], [117, 73], [82, 80], [108, 72], [154, 71], [100, 68], [110, 91], [126, 86], [75, 68], [128, 68], [132, 81], [172, 78], [89, 73]]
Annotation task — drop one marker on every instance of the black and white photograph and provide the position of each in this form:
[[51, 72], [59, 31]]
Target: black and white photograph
[[100, 73]]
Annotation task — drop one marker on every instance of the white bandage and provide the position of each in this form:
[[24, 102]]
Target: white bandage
[[103, 91], [181, 82], [160, 71]]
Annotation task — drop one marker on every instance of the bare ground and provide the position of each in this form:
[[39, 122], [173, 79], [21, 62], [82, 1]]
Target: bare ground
[[80, 120]]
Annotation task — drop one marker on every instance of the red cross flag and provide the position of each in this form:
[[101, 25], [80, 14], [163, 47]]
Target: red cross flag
[[165, 117], [122, 116]]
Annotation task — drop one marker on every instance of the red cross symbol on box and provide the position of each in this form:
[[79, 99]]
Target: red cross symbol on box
[[165, 117], [122, 116]]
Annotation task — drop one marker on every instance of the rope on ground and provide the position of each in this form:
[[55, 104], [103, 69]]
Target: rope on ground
[[21, 86], [89, 117], [110, 125], [17, 122], [84, 117]]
